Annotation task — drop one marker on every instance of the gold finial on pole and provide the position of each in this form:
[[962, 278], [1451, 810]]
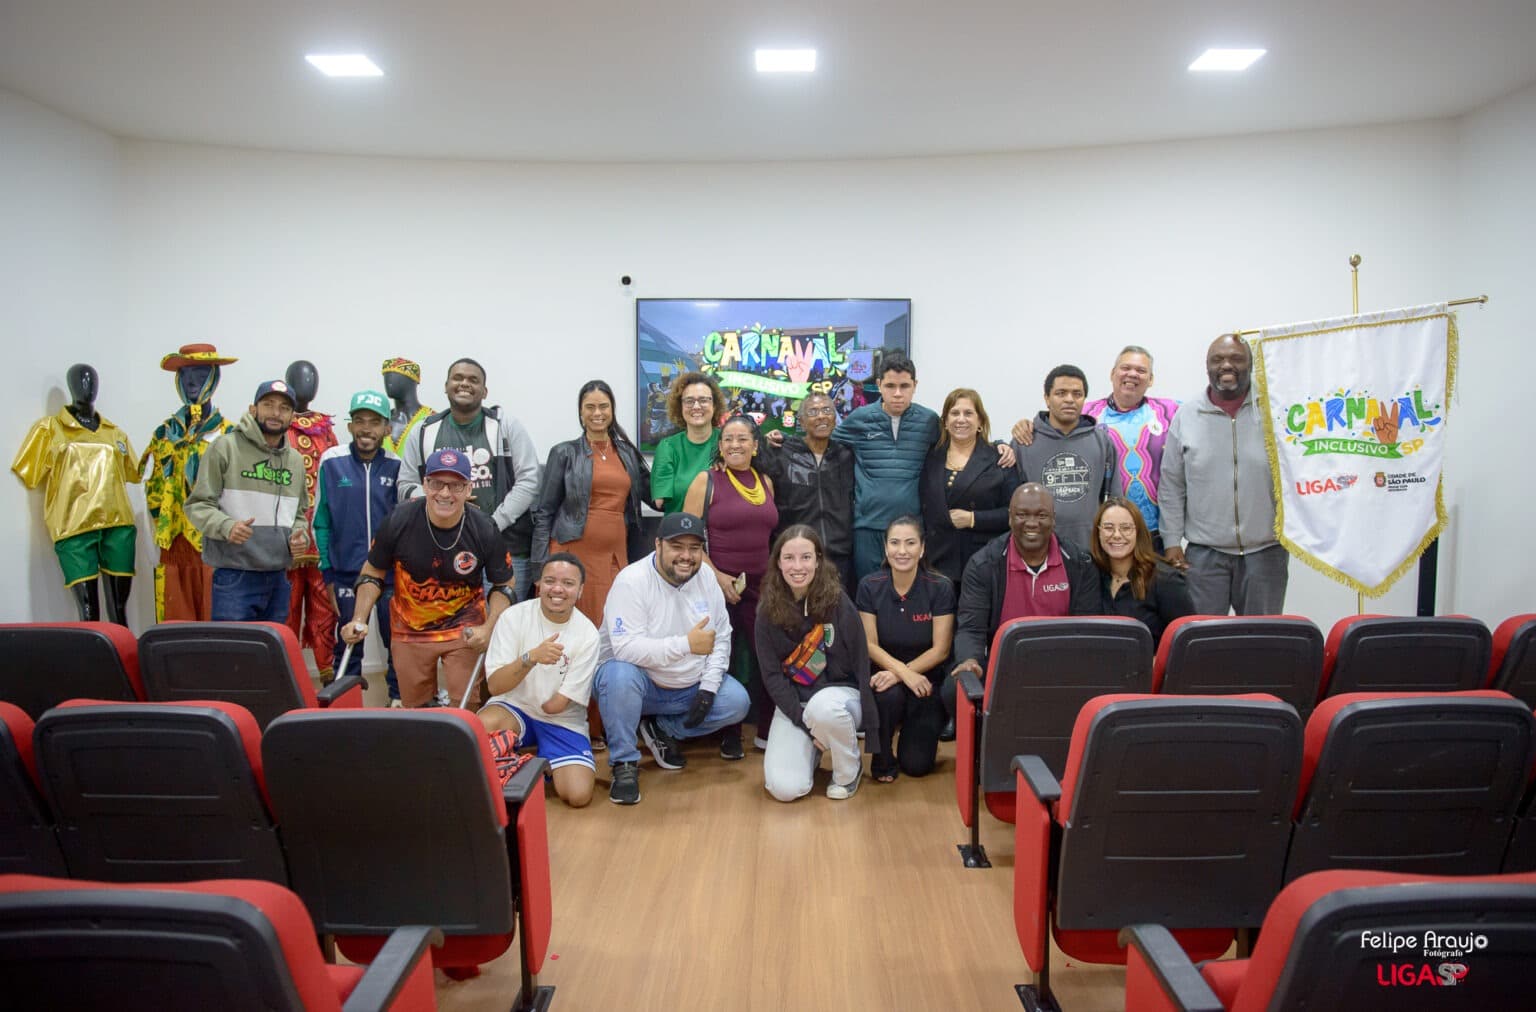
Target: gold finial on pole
[[1354, 282]]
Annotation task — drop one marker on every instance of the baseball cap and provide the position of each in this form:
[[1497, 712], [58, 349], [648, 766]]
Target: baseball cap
[[445, 462], [275, 387], [370, 400], [680, 525]]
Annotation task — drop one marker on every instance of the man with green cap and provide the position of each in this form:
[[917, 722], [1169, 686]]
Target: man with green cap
[[354, 493]]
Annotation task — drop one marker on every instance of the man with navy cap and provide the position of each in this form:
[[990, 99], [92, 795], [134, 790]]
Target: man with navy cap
[[663, 650], [249, 504], [441, 556]]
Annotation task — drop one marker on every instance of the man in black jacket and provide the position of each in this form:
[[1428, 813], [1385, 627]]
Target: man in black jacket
[[1026, 572], [813, 482]]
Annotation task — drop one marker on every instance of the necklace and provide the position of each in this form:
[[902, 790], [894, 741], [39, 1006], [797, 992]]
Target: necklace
[[755, 496], [457, 535], [601, 449]]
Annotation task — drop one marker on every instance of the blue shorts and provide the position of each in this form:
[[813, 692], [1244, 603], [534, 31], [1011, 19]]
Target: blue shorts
[[559, 746]]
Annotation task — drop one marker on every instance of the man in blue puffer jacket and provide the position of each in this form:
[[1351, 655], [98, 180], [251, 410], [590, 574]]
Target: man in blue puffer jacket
[[354, 493], [890, 441]]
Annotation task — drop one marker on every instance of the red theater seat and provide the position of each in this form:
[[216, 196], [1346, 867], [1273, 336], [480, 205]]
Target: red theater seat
[[1223, 655], [395, 817], [1391, 653], [225, 945], [29, 842], [1513, 668], [257, 665], [1336, 940], [1172, 809], [49, 662], [159, 792], [1423, 783], [1041, 672]]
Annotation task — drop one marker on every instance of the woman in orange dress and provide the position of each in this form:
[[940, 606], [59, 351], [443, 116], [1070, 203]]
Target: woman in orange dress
[[589, 505]]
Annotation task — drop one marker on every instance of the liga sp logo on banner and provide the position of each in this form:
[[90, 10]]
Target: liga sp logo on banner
[[1356, 411]]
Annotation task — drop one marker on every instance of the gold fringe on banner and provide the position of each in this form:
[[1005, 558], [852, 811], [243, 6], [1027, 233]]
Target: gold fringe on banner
[[1452, 339]]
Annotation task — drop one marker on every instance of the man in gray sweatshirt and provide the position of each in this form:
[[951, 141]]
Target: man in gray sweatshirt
[[1216, 492], [1070, 455]]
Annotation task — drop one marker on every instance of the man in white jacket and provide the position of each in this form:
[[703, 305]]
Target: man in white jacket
[[663, 651]]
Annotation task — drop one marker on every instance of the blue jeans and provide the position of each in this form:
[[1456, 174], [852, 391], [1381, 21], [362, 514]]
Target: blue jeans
[[522, 578], [625, 693], [346, 607], [245, 595], [868, 551]]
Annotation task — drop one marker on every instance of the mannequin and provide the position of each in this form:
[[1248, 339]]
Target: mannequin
[[183, 584], [86, 462], [311, 612], [401, 378]]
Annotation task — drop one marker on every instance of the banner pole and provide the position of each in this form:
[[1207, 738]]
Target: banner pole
[[1354, 301]]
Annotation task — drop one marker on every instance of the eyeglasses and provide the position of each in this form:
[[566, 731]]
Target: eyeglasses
[[455, 487], [1128, 530], [818, 412], [697, 402]]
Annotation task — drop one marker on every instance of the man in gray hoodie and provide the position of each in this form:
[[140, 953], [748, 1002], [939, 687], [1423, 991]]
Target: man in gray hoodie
[[1217, 493], [249, 503], [1070, 455]]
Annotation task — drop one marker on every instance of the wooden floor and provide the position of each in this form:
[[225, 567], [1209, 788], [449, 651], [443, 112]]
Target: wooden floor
[[711, 895]]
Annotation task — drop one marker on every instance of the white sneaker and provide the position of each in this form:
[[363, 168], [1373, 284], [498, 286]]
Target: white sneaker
[[442, 698], [761, 744], [395, 704], [839, 792]]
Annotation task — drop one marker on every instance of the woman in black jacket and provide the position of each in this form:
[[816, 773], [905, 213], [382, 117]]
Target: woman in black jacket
[[1131, 580], [815, 666], [965, 491]]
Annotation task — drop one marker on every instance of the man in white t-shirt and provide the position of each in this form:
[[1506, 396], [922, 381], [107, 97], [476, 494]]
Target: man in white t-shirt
[[541, 660]]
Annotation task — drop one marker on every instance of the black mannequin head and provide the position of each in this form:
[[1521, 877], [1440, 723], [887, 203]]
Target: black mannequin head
[[304, 378], [84, 384], [191, 381], [398, 386]]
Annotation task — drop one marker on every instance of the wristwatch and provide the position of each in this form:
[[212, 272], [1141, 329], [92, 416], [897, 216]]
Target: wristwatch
[[526, 659], [361, 627]]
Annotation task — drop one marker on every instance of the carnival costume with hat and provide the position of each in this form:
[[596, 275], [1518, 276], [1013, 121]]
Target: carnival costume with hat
[[401, 426], [183, 584]]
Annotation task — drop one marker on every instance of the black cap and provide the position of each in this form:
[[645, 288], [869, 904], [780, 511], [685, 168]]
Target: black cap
[[680, 525]]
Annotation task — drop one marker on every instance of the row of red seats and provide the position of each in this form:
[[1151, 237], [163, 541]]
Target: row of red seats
[[348, 808], [258, 665], [1042, 672], [1192, 812]]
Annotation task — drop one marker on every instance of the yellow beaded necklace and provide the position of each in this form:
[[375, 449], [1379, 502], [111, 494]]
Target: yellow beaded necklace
[[755, 496]]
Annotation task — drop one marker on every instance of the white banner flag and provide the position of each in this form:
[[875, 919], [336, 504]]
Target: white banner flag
[[1356, 410]]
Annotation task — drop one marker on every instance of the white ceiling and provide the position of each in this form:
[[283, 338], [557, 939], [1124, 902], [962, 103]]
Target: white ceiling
[[672, 80]]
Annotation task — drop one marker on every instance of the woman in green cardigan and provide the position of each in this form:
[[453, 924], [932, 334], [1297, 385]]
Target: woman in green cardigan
[[695, 404]]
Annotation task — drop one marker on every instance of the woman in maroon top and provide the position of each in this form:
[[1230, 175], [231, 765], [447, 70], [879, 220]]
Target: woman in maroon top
[[736, 504]]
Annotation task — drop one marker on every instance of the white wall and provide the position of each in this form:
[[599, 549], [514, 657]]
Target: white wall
[[1492, 480], [1014, 263], [58, 207]]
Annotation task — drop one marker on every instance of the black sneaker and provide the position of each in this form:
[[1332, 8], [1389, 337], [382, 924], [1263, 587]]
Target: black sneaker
[[668, 753], [730, 747], [625, 789]]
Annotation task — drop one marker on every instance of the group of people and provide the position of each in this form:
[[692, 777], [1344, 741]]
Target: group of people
[[823, 585]]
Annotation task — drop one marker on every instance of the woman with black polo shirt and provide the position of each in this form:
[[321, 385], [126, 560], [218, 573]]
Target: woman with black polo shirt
[[909, 620]]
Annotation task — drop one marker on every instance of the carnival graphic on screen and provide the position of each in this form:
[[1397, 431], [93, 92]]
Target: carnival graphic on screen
[[767, 354]]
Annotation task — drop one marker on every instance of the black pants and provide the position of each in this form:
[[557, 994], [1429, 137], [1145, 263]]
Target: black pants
[[920, 719]]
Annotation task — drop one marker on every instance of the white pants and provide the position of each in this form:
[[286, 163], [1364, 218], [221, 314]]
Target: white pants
[[833, 715]]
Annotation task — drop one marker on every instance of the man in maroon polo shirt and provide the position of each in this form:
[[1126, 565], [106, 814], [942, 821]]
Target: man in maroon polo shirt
[[1027, 572]]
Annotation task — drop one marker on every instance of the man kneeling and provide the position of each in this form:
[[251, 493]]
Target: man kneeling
[[542, 656]]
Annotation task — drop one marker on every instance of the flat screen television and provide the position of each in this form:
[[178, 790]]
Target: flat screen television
[[767, 354]]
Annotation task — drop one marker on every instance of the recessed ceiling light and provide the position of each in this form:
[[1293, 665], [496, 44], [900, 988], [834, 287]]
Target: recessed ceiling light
[[344, 65], [1227, 59], [786, 61]]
